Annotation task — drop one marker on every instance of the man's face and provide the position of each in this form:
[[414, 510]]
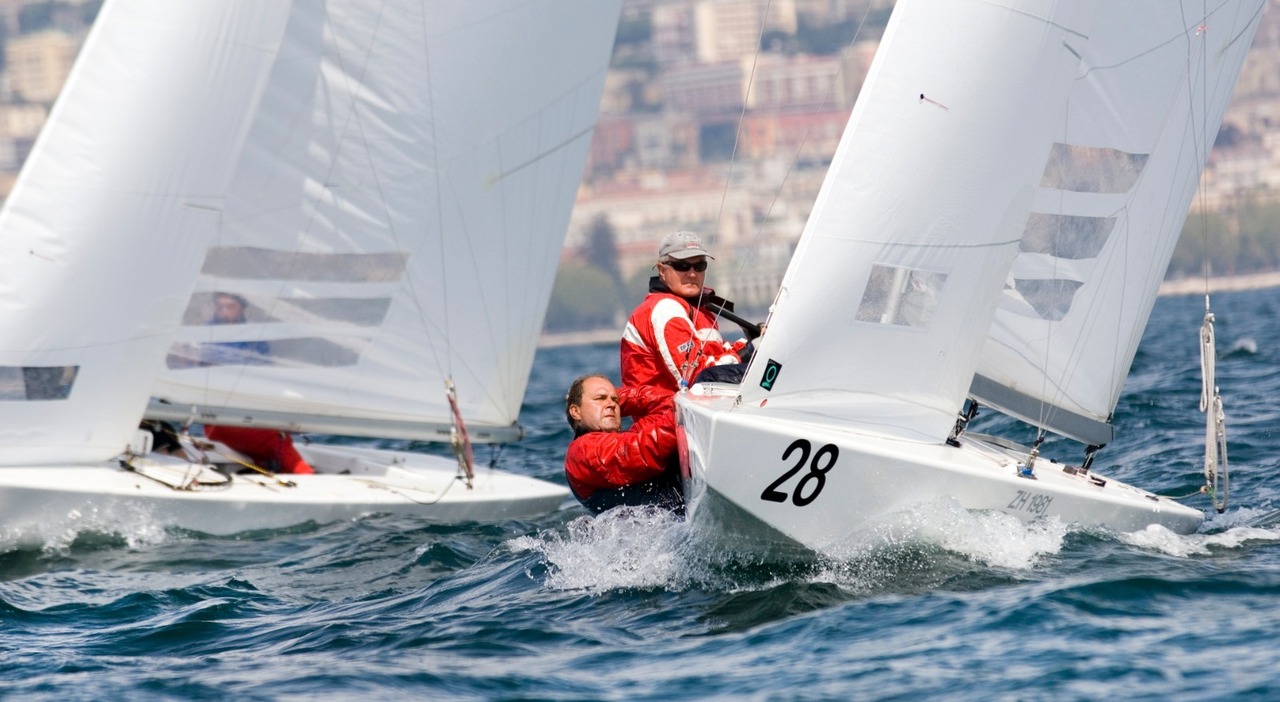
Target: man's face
[[687, 282], [599, 409], [228, 310]]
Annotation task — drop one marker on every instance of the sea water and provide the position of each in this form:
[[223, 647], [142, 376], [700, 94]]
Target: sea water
[[639, 606]]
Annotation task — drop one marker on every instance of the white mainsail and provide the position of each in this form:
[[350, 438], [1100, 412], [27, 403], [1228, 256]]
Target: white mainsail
[[107, 224], [1154, 81], [887, 300], [391, 224], [384, 184]]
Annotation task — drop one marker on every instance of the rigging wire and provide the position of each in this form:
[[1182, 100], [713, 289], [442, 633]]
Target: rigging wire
[[827, 100], [733, 159]]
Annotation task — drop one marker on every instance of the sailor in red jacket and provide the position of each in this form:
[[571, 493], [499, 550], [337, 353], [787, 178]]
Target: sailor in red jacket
[[607, 467], [672, 336]]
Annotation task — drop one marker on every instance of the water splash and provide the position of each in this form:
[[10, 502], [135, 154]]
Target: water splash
[[132, 523], [993, 539], [1244, 346], [649, 548], [1232, 530], [621, 548], [1158, 538]]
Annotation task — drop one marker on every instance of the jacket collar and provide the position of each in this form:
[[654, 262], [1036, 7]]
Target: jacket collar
[[708, 295]]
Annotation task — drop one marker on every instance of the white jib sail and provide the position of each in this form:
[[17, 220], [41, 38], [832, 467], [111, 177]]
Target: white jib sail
[[890, 293], [398, 214], [1144, 111], [109, 219]]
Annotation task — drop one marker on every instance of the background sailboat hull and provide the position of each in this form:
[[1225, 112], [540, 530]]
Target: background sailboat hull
[[106, 497], [785, 483]]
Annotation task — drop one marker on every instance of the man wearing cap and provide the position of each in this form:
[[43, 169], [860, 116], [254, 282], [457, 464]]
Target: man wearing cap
[[672, 336]]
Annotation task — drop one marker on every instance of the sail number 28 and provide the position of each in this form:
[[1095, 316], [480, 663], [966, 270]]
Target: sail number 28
[[810, 484]]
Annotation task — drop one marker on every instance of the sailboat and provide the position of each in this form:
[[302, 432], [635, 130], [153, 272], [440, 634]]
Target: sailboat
[[385, 186], [992, 231]]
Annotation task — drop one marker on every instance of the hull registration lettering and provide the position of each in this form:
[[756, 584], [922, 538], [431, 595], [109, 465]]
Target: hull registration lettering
[[1030, 502]]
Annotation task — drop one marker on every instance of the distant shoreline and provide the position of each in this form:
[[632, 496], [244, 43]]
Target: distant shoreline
[[1181, 286], [578, 338], [1230, 283]]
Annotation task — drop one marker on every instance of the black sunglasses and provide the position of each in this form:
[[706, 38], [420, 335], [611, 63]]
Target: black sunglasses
[[685, 266]]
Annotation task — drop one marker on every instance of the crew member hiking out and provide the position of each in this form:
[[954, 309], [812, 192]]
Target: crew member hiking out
[[607, 467]]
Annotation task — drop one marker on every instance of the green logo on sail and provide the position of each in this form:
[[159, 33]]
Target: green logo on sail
[[771, 370]]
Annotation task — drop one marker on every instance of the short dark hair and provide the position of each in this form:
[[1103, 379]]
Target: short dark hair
[[573, 398], [244, 304]]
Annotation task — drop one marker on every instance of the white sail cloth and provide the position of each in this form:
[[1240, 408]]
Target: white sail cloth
[[397, 215], [886, 303], [386, 185], [1022, 266], [1154, 82], [107, 224]]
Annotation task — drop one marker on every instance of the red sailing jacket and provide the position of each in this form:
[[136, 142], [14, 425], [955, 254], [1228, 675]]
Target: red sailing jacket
[[667, 339], [608, 460]]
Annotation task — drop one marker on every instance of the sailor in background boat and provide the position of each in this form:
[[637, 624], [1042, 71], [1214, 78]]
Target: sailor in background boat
[[164, 438], [607, 467], [229, 308], [269, 448], [673, 335]]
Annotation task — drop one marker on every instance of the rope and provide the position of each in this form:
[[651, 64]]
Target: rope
[[245, 464], [190, 480], [458, 436], [1201, 491], [1217, 480], [191, 444]]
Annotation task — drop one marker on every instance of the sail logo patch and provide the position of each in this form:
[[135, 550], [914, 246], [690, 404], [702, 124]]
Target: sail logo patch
[[771, 370]]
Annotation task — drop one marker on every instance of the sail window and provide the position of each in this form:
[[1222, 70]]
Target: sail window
[[1051, 299], [1091, 169], [37, 382], [253, 263], [1066, 236], [900, 296]]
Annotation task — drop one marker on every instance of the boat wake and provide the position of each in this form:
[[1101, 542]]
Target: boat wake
[[1232, 530], [919, 548], [992, 539], [646, 549]]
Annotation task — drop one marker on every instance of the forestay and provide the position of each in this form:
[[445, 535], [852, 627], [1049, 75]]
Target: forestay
[[889, 296], [397, 216], [1153, 84], [108, 221]]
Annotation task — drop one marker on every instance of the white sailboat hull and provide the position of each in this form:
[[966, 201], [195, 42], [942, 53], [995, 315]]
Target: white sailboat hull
[[350, 483], [785, 485]]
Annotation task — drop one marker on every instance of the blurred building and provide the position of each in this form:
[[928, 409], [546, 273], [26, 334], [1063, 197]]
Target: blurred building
[[643, 206], [730, 30], [37, 64]]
